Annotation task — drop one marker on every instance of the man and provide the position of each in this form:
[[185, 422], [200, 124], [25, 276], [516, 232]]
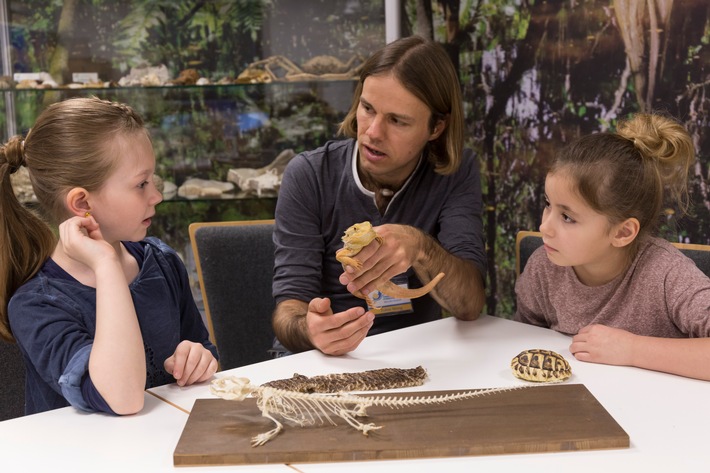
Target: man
[[404, 169]]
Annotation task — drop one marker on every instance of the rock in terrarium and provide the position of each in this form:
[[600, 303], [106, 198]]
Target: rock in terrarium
[[197, 188], [264, 180]]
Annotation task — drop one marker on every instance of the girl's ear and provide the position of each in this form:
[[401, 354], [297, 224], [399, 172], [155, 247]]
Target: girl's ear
[[625, 232], [77, 201]]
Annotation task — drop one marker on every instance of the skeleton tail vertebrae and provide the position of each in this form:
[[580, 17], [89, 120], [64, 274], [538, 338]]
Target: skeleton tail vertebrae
[[354, 400]]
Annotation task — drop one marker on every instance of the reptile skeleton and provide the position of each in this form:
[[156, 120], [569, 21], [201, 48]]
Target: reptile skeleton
[[357, 237], [309, 408]]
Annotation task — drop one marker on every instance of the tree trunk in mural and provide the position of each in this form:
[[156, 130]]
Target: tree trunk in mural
[[638, 20], [59, 64], [451, 14], [424, 23], [453, 39], [499, 98]]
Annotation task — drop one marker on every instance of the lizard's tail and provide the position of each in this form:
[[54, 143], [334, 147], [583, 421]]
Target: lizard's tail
[[393, 290]]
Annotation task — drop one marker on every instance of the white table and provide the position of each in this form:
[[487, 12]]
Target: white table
[[67, 440], [667, 417]]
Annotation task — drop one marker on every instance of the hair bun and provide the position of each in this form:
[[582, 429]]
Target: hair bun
[[657, 137], [667, 147]]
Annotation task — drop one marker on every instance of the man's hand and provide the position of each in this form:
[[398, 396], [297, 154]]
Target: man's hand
[[383, 261], [336, 334]]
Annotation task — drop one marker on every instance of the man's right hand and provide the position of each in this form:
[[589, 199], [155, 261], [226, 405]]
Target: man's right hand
[[336, 334]]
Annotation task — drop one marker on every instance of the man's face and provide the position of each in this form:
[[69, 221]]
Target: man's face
[[392, 129]]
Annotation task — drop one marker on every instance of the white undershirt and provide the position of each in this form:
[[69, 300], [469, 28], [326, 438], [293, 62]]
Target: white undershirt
[[370, 193]]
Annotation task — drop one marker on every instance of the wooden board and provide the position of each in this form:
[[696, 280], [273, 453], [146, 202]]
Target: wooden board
[[550, 418]]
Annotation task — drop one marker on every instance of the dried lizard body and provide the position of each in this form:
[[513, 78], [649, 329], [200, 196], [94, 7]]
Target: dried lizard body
[[310, 408], [360, 235], [372, 380]]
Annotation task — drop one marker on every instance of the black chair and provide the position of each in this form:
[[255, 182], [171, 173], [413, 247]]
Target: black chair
[[235, 265], [526, 242], [12, 382], [700, 254]]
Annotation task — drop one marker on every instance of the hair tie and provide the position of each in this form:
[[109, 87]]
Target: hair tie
[[21, 162]]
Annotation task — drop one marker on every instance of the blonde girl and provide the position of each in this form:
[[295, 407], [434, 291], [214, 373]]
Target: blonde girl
[[626, 296], [100, 313]]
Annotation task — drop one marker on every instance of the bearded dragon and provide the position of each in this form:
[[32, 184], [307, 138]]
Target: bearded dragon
[[357, 237]]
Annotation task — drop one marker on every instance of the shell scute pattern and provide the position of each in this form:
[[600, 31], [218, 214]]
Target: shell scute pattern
[[540, 366]]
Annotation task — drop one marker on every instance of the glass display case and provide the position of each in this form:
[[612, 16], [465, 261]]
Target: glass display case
[[230, 90], [202, 133]]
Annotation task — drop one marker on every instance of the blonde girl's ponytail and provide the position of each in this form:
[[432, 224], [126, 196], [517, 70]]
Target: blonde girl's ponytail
[[26, 241]]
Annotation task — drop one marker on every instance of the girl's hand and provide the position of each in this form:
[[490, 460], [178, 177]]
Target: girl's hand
[[602, 344], [81, 240], [191, 363]]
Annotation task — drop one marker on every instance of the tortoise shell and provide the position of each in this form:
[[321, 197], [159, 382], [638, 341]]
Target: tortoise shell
[[541, 366]]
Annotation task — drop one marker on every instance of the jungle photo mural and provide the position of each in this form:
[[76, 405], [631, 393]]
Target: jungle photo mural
[[535, 75]]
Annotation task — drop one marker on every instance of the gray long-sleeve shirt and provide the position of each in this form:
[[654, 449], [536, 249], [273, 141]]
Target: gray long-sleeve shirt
[[321, 196]]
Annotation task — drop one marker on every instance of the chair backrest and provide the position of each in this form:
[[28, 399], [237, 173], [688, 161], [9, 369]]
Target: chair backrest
[[235, 265], [700, 254], [526, 242], [12, 382]]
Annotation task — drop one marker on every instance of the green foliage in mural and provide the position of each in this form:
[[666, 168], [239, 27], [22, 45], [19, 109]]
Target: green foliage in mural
[[218, 37]]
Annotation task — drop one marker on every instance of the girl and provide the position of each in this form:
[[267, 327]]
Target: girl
[[628, 297], [102, 313]]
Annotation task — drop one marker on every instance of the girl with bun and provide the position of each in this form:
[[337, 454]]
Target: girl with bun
[[626, 296]]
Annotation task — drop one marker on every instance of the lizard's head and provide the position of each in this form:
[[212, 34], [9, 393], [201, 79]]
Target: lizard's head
[[357, 230]]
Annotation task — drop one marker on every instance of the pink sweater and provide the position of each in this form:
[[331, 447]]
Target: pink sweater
[[662, 294]]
